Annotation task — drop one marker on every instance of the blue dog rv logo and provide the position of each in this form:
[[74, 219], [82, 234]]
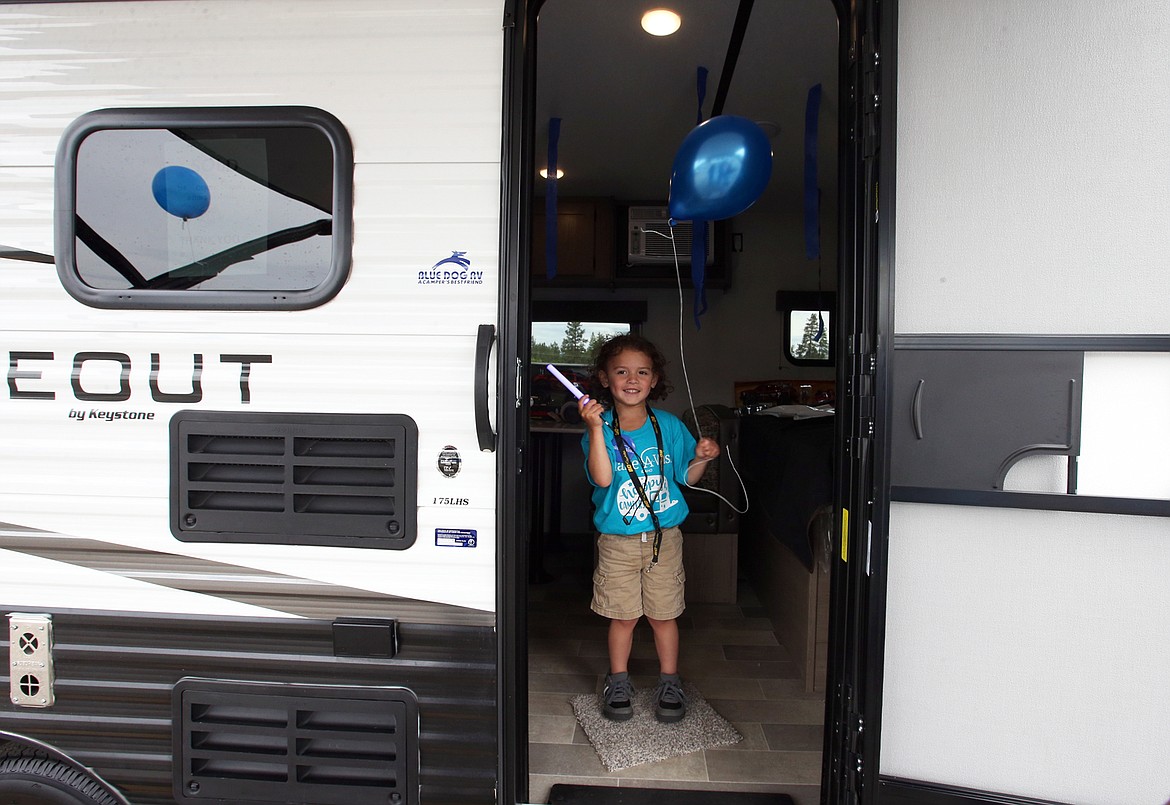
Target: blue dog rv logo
[[453, 270]]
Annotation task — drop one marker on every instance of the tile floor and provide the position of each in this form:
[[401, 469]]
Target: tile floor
[[728, 651]]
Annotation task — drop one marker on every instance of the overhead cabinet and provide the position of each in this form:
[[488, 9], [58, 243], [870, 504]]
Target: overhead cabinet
[[586, 239], [595, 247]]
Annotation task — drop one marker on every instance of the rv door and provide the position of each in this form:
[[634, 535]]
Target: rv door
[[1022, 542]]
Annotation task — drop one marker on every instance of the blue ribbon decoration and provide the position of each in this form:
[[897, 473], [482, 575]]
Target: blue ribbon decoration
[[699, 228], [812, 193], [550, 200], [699, 267], [701, 86]]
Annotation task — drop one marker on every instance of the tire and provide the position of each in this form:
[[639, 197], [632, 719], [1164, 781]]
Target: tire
[[28, 780]]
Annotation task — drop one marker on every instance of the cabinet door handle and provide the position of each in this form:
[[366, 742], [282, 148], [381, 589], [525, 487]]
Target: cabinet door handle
[[483, 350], [916, 409]]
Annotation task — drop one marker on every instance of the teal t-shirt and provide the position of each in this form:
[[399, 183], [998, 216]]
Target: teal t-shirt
[[617, 508]]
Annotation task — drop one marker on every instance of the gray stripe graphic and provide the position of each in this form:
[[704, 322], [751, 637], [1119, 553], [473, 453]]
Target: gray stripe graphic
[[276, 591]]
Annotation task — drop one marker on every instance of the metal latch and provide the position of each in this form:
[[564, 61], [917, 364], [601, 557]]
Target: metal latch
[[30, 659]]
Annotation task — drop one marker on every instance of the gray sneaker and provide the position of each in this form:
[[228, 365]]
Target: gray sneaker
[[617, 697], [670, 703]]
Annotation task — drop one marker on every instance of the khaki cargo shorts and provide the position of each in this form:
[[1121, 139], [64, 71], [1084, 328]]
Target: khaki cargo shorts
[[622, 589]]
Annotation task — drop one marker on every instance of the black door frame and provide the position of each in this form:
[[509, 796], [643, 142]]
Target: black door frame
[[857, 611], [512, 472]]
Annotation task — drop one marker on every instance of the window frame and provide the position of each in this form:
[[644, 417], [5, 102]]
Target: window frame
[[789, 301], [633, 312], [65, 186]]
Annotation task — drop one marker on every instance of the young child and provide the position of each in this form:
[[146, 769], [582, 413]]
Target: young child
[[636, 458]]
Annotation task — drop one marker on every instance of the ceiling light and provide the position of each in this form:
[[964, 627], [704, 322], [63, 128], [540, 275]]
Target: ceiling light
[[769, 127], [544, 173], [660, 22]]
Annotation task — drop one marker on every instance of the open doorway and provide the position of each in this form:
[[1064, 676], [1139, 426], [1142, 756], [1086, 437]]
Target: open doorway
[[755, 369]]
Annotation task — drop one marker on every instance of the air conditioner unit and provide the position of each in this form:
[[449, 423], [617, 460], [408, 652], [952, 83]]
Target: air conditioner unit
[[648, 237]]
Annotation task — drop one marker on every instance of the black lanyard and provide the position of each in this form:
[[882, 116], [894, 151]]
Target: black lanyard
[[649, 504]]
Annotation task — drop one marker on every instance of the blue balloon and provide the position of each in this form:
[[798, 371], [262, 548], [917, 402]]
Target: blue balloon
[[720, 169], [181, 191]]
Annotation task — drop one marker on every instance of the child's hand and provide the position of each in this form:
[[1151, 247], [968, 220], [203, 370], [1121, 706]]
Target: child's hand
[[591, 412], [707, 449]]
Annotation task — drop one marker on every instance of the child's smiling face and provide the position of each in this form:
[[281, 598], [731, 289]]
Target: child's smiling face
[[629, 376]]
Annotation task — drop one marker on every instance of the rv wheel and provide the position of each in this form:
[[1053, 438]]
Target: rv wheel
[[38, 781]]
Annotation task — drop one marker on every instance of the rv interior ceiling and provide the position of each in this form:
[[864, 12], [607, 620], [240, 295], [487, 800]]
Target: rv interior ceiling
[[626, 99]]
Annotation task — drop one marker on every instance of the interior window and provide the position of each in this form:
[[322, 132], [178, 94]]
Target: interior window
[[569, 346], [567, 335], [205, 208], [572, 341], [807, 327]]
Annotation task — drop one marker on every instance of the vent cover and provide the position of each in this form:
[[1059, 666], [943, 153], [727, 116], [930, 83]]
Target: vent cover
[[251, 742], [649, 234], [30, 660], [304, 479]]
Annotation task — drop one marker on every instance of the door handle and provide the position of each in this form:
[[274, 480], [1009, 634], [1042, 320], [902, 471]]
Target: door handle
[[916, 409], [483, 350]]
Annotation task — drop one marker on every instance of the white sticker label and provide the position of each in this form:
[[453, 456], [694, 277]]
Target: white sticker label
[[455, 537]]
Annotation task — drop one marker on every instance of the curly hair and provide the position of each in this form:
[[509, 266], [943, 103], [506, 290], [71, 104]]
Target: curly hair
[[618, 344]]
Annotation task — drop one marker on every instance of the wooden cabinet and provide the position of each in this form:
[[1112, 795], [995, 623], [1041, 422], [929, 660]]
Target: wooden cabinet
[[591, 250], [585, 241]]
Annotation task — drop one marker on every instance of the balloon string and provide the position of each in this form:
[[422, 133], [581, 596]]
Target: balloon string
[[690, 394], [190, 242]]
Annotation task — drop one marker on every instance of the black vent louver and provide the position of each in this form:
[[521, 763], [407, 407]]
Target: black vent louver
[[250, 742], [307, 479]]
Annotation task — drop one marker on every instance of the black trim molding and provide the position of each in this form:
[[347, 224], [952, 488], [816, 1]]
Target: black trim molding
[[633, 312], [1141, 507], [896, 791], [1074, 343]]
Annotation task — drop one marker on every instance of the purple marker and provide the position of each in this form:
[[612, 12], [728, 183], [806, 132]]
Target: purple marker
[[576, 392]]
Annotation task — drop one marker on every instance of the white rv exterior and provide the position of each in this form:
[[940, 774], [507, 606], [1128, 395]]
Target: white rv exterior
[[86, 478], [426, 162]]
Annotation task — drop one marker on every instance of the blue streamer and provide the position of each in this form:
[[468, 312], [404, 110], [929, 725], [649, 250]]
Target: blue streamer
[[699, 267], [550, 200], [701, 87], [812, 193], [699, 228]]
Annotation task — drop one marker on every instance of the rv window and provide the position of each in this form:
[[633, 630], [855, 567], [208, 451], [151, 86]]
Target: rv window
[[570, 346], [567, 335], [572, 341], [214, 208], [571, 330], [807, 327]]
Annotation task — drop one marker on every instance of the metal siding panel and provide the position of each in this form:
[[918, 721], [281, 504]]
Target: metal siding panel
[[115, 674], [418, 86], [108, 480], [406, 219], [415, 82]]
